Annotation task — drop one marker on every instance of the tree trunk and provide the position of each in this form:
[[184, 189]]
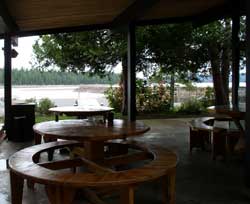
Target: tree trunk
[[219, 91], [225, 69], [225, 73], [124, 83], [220, 62], [172, 83]]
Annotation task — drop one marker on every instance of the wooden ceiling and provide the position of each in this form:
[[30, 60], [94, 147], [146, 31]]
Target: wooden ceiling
[[37, 16]]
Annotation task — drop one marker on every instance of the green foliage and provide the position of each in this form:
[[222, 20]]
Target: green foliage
[[42, 117], [44, 105], [208, 99], [214, 42], [168, 49], [197, 106], [95, 52], [151, 99], [114, 96], [148, 99], [32, 100], [36, 77], [192, 106], [189, 86]]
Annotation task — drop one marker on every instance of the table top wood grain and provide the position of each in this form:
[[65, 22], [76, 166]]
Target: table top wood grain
[[90, 130]]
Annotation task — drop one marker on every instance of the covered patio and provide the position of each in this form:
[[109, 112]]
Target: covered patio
[[199, 179]]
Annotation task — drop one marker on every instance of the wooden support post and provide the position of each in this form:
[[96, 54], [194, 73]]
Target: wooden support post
[[38, 138], [235, 53], [56, 117], [94, 150], [50, 151], [7, 84], [127, 195], [247, 117], [131, 73], [168, 187], [91, 196], [60, 195], [171, 185]]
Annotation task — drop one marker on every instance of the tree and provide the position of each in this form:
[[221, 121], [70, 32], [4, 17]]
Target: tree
[[175, 48], [171, 48], [183, 50], [93, 52], [214, 40]]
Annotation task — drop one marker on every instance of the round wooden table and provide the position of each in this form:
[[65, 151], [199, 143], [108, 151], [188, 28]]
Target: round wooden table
[[81, 111], [92, 134]]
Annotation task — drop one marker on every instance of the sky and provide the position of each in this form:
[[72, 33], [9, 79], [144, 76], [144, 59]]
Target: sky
[[24, 50]]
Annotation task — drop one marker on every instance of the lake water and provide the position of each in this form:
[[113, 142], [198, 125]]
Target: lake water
[[60, 95]]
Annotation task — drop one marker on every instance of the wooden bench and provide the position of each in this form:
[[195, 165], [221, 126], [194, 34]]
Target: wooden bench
[[202, 132], [61, 183]]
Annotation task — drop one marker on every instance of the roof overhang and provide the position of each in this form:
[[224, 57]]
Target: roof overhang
[[36, 17]]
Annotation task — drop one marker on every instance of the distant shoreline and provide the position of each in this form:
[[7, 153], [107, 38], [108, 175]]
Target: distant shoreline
[[60, 85], [93, 88]]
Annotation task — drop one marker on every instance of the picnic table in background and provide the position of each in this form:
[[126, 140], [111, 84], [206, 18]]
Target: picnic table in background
[[81, 111]]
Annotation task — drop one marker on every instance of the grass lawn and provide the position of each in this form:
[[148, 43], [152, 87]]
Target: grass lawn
[[42, 118]]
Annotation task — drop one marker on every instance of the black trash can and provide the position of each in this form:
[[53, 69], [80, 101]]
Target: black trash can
[[22, 121]]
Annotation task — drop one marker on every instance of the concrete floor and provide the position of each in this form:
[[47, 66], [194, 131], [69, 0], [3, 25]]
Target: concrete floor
[[200, 180]]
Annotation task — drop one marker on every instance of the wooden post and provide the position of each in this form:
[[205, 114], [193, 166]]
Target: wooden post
[[127, 195], [16, 188], [131, 73], [235, 54], [60, 195], [247, 119], [7, 84]]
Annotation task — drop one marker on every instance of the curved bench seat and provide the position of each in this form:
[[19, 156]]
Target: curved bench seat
[[25, 165], [206, 124], [203, 132], [200, 132]]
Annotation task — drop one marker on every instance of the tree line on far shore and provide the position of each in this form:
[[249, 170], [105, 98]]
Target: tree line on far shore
[[36, 77]]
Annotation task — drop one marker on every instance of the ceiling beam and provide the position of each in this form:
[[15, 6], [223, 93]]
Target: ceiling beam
[[171, 20], [206, 17], [137, 9], [220, 12], [212, 14], [58, 30], [7, 18]]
